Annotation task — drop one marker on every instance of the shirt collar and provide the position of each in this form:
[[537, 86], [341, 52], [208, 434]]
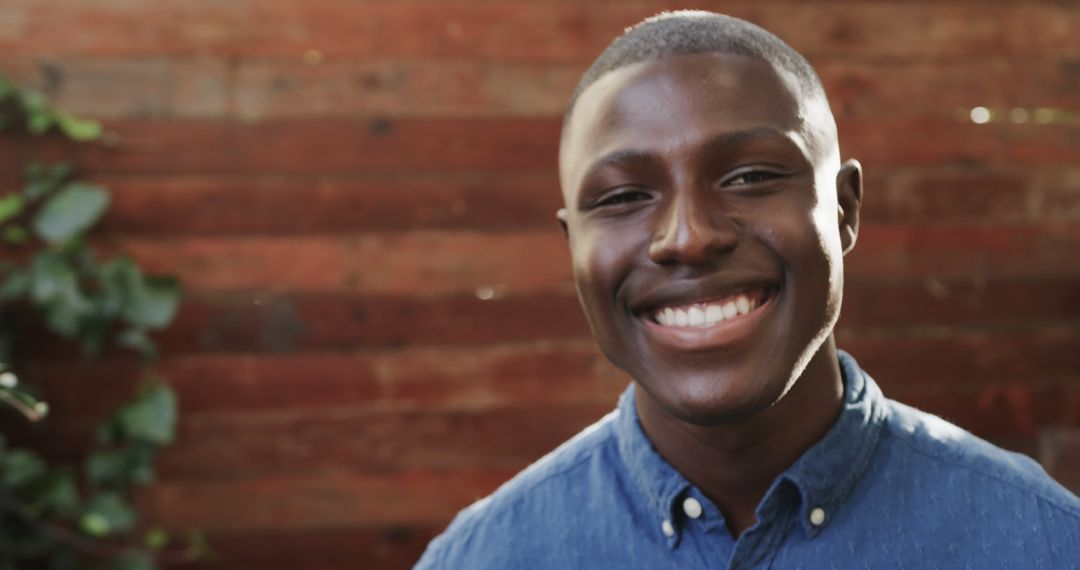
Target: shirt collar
[[824, 475]]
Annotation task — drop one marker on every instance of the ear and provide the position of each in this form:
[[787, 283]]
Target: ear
[[561, 215], [849, 192]]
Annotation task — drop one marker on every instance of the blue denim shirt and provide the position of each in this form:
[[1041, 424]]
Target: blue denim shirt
[[887, 487]]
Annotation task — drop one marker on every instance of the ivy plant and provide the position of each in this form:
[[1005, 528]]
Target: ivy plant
[[55, 515]]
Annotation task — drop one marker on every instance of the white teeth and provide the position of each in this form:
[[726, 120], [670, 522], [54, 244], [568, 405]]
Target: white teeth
[[681, 320], [713, 314], [695, 317], [704, 314]]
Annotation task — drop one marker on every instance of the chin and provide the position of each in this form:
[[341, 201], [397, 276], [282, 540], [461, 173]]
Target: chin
[[716, 397]]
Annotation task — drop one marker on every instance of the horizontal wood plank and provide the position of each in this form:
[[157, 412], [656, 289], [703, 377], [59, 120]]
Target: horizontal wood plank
[[262, 323], [231, 446], [393, 546], [518, 31], [269, 89], [1059, 453], [379, 323], [217, 448], [425, 264], [418, 379], [384, 145], [949, 194], [239, 205], [253, 205], [414, 498], [552, 374], [429, 264]]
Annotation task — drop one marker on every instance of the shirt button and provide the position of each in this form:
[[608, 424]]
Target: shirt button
[[692, 507], [669, 531], [817, 516]]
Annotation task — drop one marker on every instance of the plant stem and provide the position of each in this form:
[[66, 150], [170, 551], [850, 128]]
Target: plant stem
[[22, 407]]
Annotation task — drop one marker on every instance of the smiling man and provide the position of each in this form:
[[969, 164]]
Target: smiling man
[[708, 214]]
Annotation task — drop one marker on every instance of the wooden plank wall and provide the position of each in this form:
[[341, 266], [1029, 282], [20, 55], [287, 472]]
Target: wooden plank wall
[[379, 324]]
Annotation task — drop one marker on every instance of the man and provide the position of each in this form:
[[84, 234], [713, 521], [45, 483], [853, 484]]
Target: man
[[708, 213]]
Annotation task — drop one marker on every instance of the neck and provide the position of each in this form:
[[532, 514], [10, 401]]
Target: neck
[[734, 463]]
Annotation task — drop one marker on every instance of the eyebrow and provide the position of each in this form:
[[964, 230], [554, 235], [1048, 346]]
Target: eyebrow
[[734, 138], [716, 143]]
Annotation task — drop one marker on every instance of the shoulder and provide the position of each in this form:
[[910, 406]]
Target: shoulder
[[530, 503], [952, 454]]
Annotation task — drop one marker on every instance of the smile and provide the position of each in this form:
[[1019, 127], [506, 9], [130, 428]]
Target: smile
[[709, 323], [707, 314]]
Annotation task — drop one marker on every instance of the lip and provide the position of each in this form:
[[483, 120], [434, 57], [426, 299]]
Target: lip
[[716, 336]]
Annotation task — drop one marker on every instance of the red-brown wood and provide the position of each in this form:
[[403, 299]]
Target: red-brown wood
[[261, 88], [380, 144], [235, 205], [528, 30], [380, 325], [319, 549]]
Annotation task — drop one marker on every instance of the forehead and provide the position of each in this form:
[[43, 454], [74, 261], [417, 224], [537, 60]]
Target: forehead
[[662, 105]]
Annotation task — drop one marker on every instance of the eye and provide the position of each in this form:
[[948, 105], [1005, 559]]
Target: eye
[[751, 177], [622, 197]]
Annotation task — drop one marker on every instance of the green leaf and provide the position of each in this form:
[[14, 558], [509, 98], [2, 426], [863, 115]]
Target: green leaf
[[107, 514], [156, 538], [55, 493], [55, 289], [11, 205], [107, 466], [141, 468], [151, 418], [70, 212], [37, 122], [15, 286], [122, 467], [137, 340], [15, 235], [93, 334], [42, 179], [62, 320], [52, 278], [148, 302], [32, 101], [39, 116], [78, 129], [19, 466], [153, 302]]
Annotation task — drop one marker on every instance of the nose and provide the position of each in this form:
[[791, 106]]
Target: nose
[[692, 232]]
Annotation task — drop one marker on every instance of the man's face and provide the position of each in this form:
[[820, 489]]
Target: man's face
[[703, 221]]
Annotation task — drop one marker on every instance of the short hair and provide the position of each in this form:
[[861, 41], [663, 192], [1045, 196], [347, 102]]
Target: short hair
[[693, 31]]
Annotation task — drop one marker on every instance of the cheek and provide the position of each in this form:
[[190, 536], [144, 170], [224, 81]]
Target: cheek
[[598, 269], [601, 259], [805, 238], [827, 232]]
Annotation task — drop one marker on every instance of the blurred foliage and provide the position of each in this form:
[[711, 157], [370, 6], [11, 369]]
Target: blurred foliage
[[52, 515]]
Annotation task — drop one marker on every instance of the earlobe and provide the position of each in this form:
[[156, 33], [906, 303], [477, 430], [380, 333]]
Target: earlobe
[[561, 215], [849, 192]]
